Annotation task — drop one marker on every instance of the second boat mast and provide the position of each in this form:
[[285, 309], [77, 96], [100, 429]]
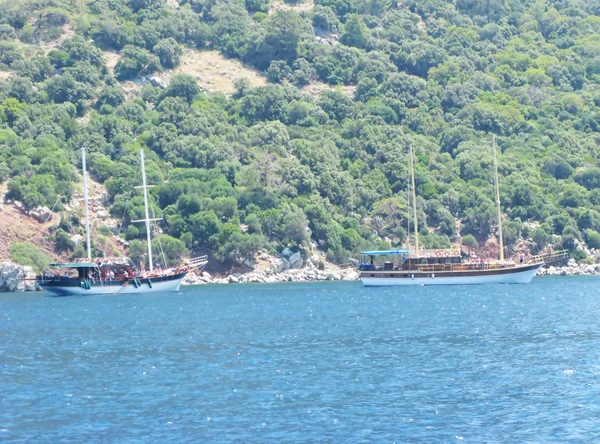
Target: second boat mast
[[497, 191]]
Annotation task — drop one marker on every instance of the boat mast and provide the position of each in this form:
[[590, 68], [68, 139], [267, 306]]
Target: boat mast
[[85, 200], [497, 191], [408, 217], [414, 199], [147, 220]]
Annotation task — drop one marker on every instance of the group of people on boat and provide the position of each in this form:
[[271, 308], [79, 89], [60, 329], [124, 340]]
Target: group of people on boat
[[122, 272]]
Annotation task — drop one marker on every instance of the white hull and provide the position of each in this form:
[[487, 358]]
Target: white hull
[[98, 289], [519, 277]]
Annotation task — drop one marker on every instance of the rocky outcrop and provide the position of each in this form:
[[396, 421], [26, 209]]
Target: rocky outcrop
[[571, 269], [290, 275], [41, 214], [12, 278], [289, 267]]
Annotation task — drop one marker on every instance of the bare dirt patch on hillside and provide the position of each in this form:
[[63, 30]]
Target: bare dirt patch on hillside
[[18, 227], [68, 32], [5, 74], [111, 59], [214, 72], [280, 5], [131, 89], [30, 49]]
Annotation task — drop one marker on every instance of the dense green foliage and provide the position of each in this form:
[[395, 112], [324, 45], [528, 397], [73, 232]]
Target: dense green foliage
[[27, 254], [275, 165]]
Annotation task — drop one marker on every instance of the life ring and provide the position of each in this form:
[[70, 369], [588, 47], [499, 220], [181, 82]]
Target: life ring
[[456, 253], [438, 253], [446, 253]]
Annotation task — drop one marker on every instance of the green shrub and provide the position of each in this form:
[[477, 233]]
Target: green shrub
[[27, 254], [592, 238], [540, 238], [104, 230], [470, 241]]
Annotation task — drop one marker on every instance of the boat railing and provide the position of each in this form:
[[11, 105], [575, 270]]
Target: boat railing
[[432, 268], [198, 262], [438, 253], [548, 257], [438, 268]]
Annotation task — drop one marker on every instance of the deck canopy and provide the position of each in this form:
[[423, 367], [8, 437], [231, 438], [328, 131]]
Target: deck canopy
[[108, 263], [384, 252], [75, 265]]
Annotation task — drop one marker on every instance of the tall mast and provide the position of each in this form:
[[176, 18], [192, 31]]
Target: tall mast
[[497, 190], [85, 200], [408, 219], [414, 199], [147, 220]]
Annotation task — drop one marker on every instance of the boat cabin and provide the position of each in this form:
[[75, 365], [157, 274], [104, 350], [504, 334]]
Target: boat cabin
[[95, 272], [405, 260]]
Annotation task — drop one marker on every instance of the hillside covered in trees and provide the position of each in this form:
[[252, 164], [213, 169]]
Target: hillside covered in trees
[[286, 164]]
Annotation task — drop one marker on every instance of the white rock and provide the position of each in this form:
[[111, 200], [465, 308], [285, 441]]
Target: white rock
[[350, 275], [296, 261], [41, 214], [157, 82], [12, 278], [76, 239], [333, 277]]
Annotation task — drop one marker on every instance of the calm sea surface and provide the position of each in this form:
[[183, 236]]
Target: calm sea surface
[[331, 362]]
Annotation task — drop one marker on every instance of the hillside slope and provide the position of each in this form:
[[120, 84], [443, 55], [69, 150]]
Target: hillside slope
[[269, 124]]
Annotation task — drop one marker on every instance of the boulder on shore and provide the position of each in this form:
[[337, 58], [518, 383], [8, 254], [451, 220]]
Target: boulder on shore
[[41, 214], [12, 278]]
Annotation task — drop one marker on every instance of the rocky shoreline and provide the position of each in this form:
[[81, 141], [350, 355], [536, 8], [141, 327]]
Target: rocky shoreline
[[13, 278], [571, 269], [311, 274], [290, 267], [301, 275]]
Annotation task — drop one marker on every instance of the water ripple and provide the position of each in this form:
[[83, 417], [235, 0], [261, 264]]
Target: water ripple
[[321, 362]]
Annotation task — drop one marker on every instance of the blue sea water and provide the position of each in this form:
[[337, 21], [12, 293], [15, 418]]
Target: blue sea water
[[328, 362]]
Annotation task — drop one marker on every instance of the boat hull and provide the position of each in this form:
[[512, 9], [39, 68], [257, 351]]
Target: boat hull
[[72, 287], [516, 275]]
